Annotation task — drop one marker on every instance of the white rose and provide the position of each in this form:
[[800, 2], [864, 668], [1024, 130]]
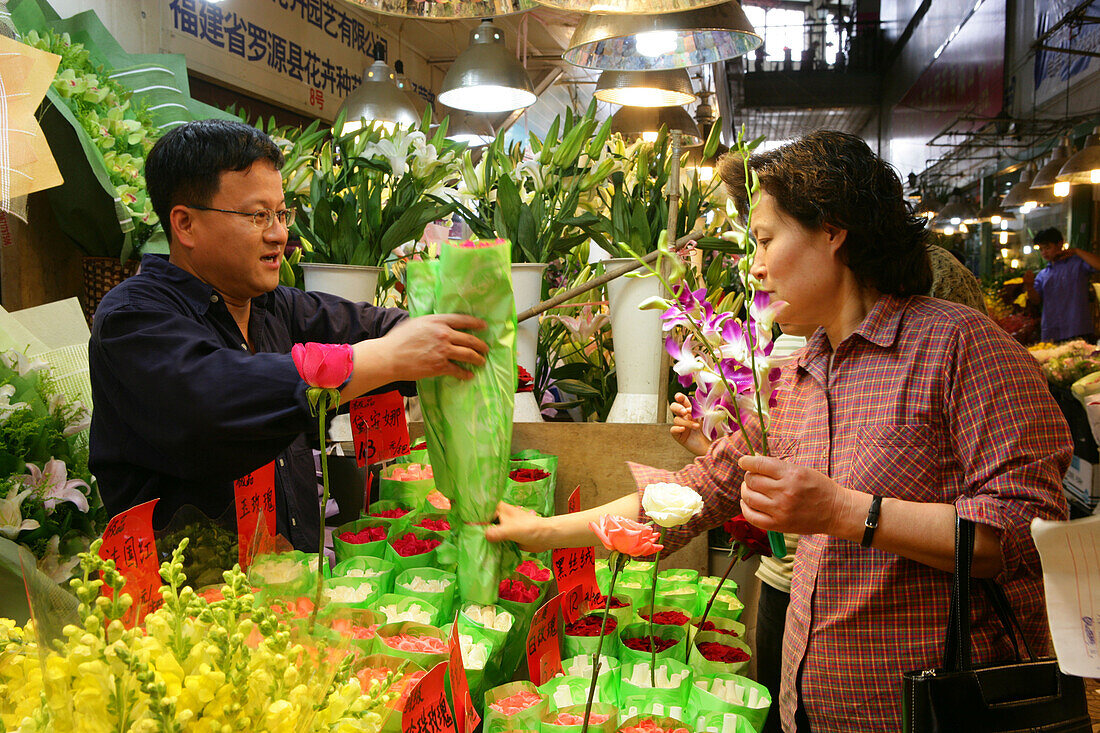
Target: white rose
[[671, 505]]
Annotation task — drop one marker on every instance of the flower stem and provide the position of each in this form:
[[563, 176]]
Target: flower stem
[[652, 645], [706, 611], [617, 562], [322, 405]]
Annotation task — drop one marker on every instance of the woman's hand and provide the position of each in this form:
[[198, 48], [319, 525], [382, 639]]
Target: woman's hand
[[522, 526], [685, 429], [786, 497]]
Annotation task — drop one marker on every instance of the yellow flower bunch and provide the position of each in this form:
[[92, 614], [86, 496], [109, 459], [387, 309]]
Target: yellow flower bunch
[[192, 665]]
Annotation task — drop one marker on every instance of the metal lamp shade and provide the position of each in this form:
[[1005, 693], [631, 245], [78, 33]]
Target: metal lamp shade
[[663, 88], [627, 7], [1047, 175], [706, 167], [377, 99], [644, 123], [994, 209], [1084, 165], [1022, 193], [485, 77], [958, 211], [453, 9], [929, 206], [471, 129], [669, 41]]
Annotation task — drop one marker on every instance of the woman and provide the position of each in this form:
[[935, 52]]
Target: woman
[[919, 408]]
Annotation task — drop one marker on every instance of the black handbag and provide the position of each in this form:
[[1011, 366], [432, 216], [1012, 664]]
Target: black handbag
[[1030, 695]]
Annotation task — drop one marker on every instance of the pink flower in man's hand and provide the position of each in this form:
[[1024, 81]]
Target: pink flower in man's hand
[[323, 365], [619, 534]]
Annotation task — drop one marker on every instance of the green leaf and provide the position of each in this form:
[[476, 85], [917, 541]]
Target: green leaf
[[711, 145], [577, 387]]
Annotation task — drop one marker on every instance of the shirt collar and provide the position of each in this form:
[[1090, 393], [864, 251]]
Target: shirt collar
[[198, 293], [879, 327]]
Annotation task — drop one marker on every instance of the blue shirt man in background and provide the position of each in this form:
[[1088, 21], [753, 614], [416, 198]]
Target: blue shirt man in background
[[1063, 288]]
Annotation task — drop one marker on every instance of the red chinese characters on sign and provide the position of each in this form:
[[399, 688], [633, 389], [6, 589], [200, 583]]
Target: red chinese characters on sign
[[574, 566], [574, 503], [544, 643], [577, 601], [378, 427], [128, 540], [466, 717], [426, 710], [316, 97], [254, 499]]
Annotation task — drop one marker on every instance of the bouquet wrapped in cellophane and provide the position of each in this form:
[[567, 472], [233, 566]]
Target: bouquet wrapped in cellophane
[[468, 423]]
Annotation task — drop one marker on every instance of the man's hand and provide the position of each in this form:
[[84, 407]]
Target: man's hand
[[785, 497], [685, 429], [429, 346]]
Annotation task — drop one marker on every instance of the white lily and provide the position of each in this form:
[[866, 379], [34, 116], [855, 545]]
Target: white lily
[[11, 514], [22, 363], [6, 405], [53, 566], [55, 486], [583, 326]]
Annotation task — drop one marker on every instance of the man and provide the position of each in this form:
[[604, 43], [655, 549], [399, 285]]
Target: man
[[190, 362], [1062, 287]]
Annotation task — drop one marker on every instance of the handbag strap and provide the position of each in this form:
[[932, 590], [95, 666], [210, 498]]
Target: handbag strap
[[956, 655]]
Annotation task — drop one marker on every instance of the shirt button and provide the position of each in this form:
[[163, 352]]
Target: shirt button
[[244, 346], [281, 463], [213, 299]]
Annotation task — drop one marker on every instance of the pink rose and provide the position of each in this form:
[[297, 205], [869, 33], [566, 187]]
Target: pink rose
[[323, 365], [619, 534]]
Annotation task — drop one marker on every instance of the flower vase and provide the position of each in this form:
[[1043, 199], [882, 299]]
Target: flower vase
[[527, 291], [636, 335], [357, 283]]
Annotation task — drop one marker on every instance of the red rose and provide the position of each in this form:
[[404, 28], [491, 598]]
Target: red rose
[[524, 382], [590, 626], [517, 590], [323, 365], [752, 539], [531, 569], [410, 545], [716, 652], [647, 643], [525, 475]]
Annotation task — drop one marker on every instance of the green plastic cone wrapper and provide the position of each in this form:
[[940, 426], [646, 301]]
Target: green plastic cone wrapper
[[468, 423]]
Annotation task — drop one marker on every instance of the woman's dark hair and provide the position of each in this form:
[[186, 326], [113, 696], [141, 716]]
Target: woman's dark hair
[[185, 166], [829, 177]]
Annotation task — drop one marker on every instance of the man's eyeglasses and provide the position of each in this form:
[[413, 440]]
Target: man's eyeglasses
[[264, 219]]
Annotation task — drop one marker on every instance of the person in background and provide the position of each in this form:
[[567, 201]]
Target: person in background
[[1063, 288], [191, 372]]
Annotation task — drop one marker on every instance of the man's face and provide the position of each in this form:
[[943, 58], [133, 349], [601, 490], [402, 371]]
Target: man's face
[[1052, 251], [239, 259]]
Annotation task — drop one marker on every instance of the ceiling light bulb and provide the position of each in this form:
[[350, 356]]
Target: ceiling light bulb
[[649, 136], [655, 43], [956, 220], [995, 219], [706, 172], [1004, 250], [1027, 249], [1004, 224], [949, 230], [1094, 175], [963, 229], [1015, 264], [1061, 189]]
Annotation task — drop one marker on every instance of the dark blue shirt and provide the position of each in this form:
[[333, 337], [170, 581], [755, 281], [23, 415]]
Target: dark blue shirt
[[183, 407]]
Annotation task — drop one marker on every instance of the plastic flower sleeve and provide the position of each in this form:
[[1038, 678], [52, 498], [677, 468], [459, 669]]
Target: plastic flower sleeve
[[419, 643], [604, 719], [395, 485], [607, 684], [562, 692], [374, 569], [416, 548], [672, 690], [677, 594], [468, 423], [513, 706], [531, 486], [721, 722], [582, 637], [727, 627], [433, 585], [731, 694], [672, 642], [397, 675], [713, 653], [360, 538]]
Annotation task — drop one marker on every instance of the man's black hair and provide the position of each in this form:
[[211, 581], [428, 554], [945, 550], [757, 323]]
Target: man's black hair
[[1048, 236], [185, 166]]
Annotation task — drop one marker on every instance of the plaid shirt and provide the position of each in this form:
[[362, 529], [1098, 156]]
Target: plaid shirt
[[927, 401]]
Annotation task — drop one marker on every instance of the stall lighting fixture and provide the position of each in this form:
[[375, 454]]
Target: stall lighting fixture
[[466, 127], [663, 88], [627, 7], [958, 210], [929, 206], [1027, 249], [1015, 264], [1084, 165], [1061, 189], [1024, 197], [486, 77], [646, 122], [1047, 175], [949, 230], [1004, 250], [377, 99], [1004, 224], [670, 40]]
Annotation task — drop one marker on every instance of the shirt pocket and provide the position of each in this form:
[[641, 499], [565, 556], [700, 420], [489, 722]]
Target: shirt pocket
[[900, 461]]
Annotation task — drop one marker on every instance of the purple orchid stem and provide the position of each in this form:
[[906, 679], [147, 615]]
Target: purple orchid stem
[[706, 611], [617, 562]]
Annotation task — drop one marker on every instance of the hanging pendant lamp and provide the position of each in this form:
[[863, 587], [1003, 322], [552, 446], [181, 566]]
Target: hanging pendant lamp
[[452, 9], [664, 88], [994, 213], [1024, 197], [1047, 177], [669, 41], [1084, 165], [644, 123], [959, 210], [377, 99], [486, 77], [628, 7], [929, 206], [469, 128]]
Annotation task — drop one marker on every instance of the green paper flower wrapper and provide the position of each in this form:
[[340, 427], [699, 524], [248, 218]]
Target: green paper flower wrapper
[[493, 721], [720, 623], [678, 575], [391, 714], [719, 722], [345, 550], [635, 587], [607, 683], [410, 493], [284, 574], [705, 666], [393, 605], [673, 685], [426, 659], [416, 454], [374, 569], [468, 423], [729, 693], [705, 590], [575, 646], [443, 600], [495, 636], [562, 692], [436, 557], [348, 623], [538, 495], [349, 592], [549, 724], [726, 605], [641, 630], [395, 524], [659, 717], [515, 648], [677, 595]]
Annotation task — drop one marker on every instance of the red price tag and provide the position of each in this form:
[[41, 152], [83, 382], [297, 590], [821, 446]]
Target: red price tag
[[574, 503], [254, 498], [128, 540], [466, 717], [544, 643], [378, 427], [426, 710], [574, 566], [576, 602]]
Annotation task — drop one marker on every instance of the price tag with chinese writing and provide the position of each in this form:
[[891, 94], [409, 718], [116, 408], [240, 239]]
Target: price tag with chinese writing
[[426, 710], [574, 566], [466, 717], [576, 602], [378, 427], [574, 503], [128, 540], [544, 643], [254, 498]]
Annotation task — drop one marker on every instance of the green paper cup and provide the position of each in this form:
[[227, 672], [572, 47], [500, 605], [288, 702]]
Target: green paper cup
[[709, 667], [550, 720], [573, 646], [375, 569], [641, 630], [423, 560], [673, 685], [349, 592], [345, 550], [392, 605], [726, 693], [426, 659], [443, 600], [494, 721]]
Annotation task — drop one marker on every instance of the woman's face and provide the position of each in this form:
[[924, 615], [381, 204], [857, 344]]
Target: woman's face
[[797, 265]]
